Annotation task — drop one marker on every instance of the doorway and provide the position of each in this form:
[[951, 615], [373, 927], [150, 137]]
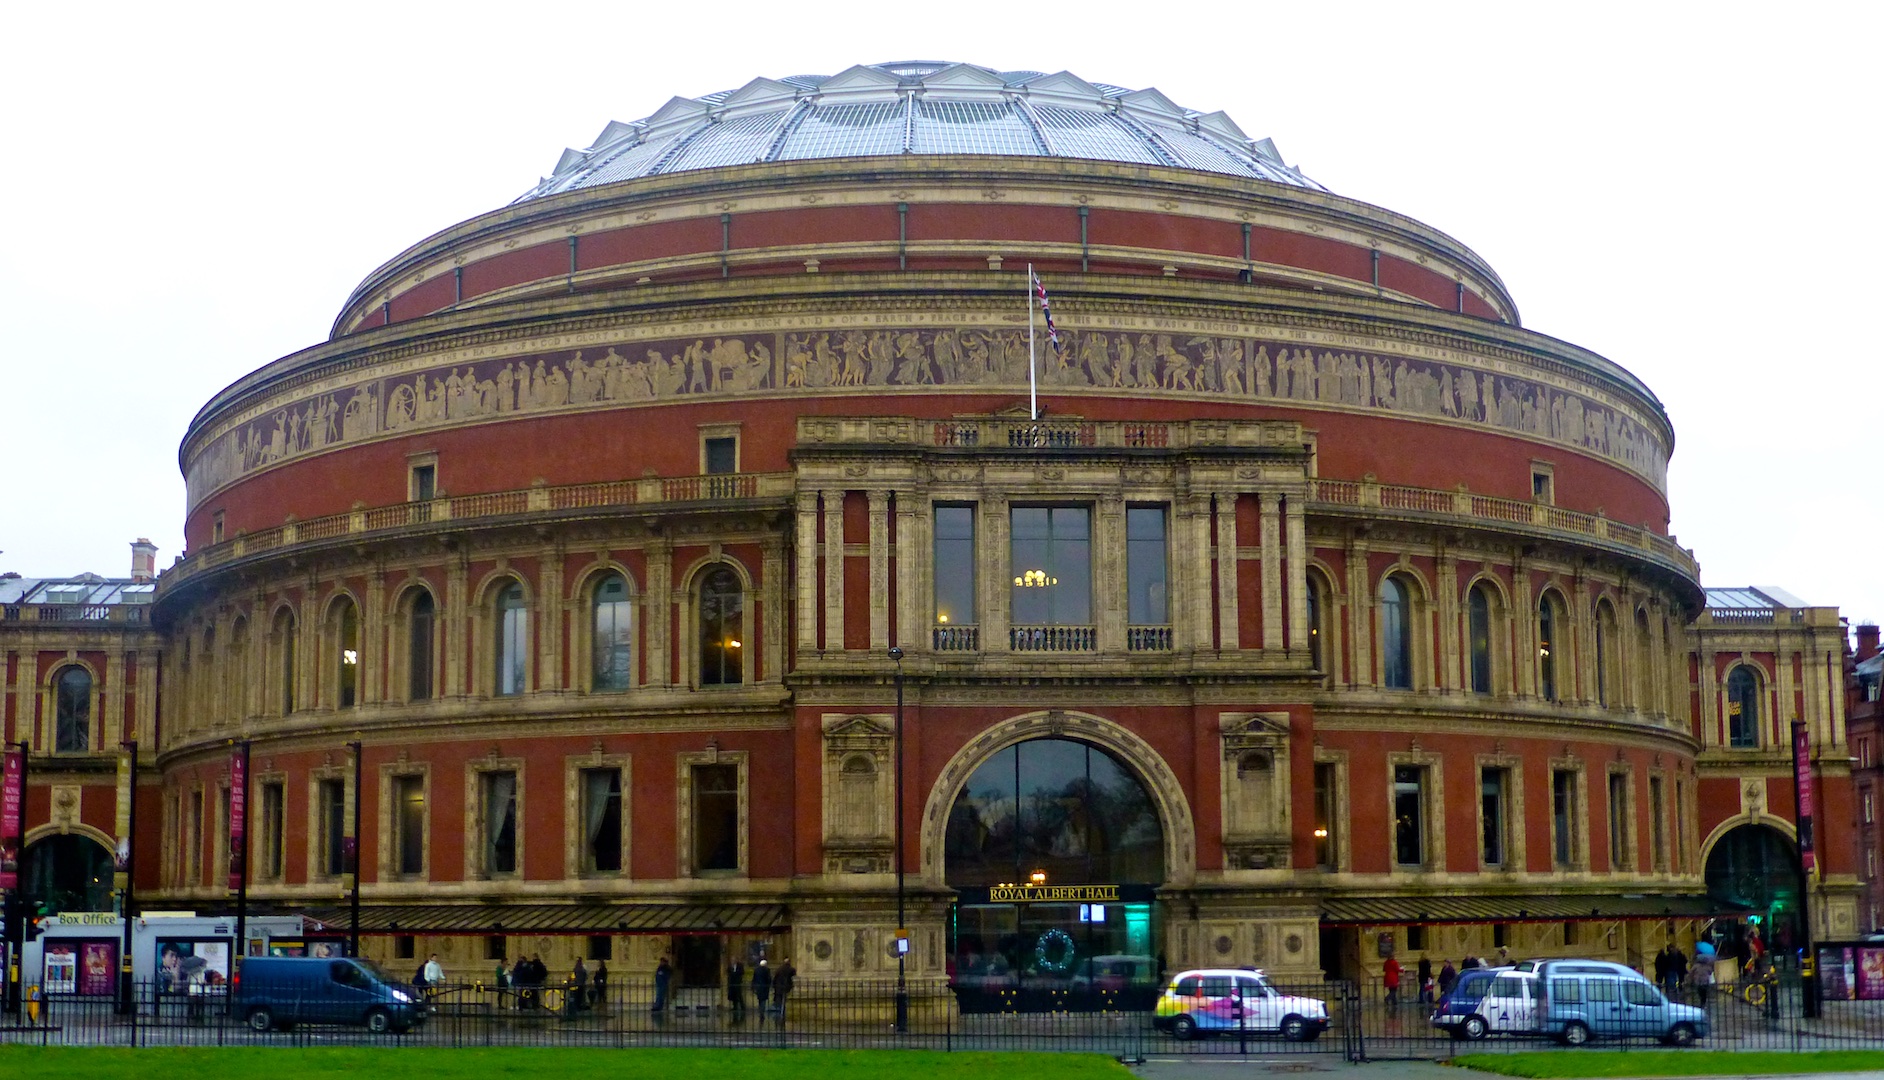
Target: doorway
[[697, 960]]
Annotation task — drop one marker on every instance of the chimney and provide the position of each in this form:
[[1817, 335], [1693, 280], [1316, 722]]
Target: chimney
[[144, 563], [1867, 641]]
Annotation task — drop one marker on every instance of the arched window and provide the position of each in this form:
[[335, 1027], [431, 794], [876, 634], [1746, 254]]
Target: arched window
[[1478, 638], [1316, 606], [511, 647], [612, 645], [722, 611], [421, 627], [346, 655], [284, 661], [1550, 624], [1743, 707], [74, 690], [1605, 645], [1396, 635]]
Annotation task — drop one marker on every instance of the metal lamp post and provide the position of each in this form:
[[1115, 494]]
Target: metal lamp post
[[902, 928]]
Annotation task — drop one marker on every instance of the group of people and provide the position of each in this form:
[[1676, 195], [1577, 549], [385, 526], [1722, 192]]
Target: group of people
[[1431, 986]]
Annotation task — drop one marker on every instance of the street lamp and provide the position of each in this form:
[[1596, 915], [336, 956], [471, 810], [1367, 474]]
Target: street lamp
[[902, 927]]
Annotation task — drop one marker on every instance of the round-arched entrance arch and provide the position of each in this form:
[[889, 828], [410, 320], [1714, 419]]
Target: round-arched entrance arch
[[1756, 866], [1055, 848], [67, 872]]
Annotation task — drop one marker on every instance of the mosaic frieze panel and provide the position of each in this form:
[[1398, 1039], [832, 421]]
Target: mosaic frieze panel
[[825, 360]]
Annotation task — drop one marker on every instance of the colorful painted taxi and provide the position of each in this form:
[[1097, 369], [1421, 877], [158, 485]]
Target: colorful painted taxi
[[1208, 1001]]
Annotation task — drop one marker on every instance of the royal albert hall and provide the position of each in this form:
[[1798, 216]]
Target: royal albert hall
[[635, 545]]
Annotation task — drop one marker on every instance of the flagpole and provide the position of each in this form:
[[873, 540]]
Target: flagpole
[[1033, 398]]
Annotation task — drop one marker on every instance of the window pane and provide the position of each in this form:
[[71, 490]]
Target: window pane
[[1563, 815], [74, 711], [1145, 565], [612, 656], [410, 808], [349, 658], [500, 822], [420, 659], [716, 817], [601, 819], [954, 565], [1050, 556], [510, 650], [722, 608], [1492, 809], [1480, 618], [722, 455], [1408, 825], [333, 820], [1546, 649], [1743, 708], [1396, 659]]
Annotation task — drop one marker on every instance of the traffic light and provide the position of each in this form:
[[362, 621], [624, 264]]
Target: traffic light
[[36, 922]]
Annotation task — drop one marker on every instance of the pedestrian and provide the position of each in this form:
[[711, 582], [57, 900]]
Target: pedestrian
[[578, 995], [1468, 963], [519, 980], [1661, 967], [1701, 977], [736, 987], [418, 976], [663, 975], [762, 986], [1390, 978], [782, 983], [1448, 977], [1425, 968], [1680, 962], [501, 979], [434, 975], [1504, 956], [598, 985]]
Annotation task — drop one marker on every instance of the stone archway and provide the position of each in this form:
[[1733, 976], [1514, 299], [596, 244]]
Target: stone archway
[[68, 871], [1755, 865], [1148, 766]]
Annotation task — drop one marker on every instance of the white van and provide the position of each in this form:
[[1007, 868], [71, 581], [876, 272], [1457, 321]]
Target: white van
[[1490, 1001]]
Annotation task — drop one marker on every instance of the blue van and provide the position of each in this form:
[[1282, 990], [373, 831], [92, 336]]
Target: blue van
[[1592, 999], [1489, 1001], [278, 992]]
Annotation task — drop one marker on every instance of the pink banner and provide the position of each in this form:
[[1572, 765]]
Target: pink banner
[[238, 816], [12, 808], [1802, 776]]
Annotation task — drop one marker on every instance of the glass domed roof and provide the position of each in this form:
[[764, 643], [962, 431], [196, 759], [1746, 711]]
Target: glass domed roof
[[919, 107]]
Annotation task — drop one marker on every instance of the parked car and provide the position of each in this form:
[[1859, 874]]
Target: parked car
[[278, 992], [1591, 999], [1490, 1001], [1208, 1001]]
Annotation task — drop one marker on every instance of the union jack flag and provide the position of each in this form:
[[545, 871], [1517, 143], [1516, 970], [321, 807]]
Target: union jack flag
[[1040, 291]]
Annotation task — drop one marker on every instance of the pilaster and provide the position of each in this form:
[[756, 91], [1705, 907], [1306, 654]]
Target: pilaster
[[878, 501], [1295, 531], [806, 578], [660, 618], [1229, 627], [1269, 517], [1109, 565], [550, 607], [1446, 600], [834, 570], [913, 551], [456, 619], [772, 599]]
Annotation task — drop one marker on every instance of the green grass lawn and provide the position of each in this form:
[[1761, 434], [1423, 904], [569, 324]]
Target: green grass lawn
[[1670, 1062], [270, 1063]]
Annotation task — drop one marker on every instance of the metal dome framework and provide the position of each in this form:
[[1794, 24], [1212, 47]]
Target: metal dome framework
[[919, 107]]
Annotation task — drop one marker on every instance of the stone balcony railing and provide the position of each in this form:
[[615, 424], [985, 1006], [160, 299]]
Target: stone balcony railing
[[76, 613]]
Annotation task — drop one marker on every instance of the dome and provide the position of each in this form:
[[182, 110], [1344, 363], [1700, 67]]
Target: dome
[[919, 108]]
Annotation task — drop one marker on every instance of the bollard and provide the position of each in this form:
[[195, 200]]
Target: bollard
[[32, 1004]]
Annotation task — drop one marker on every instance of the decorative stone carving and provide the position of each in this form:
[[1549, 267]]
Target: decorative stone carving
[[858, 827], [1255, 792]]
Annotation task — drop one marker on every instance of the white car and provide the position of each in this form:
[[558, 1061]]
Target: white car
[[1206, 1001]]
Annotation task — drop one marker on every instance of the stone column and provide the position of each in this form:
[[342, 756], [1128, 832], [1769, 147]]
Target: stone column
[[111, 703], [806, 584], [834, 570], [307, 693], [772, 595], [146, 715], [1710, 698], [1194, 586], [457, 614], [26, 698], [1269, 518], [879, 537], [1111, 611], [1523, 630], [1446, 601], [1229, 623], [374, 638], [991, 567], [659, 621], [914, 552], [1295, 532], [549, 622], [1360, 615]]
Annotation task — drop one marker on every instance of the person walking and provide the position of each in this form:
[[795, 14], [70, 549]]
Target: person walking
[[434, 976], [578, 995], [663, 975], [1701, 977], [762, 986], [519, 980], [1679, 964], [736, 988], [598, 986], [1425, 974], [1390, 978], [782, 984], [1448, 978]]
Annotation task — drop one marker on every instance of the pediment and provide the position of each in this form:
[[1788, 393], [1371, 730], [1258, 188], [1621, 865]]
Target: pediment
[[854, 725], [965, 75], [614, 132], [1067, 84], [760, 90], [859, 77], [1152, 100], [1219, 123]]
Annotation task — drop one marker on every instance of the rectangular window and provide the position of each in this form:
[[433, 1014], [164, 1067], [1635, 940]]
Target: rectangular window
[[1416, 937], [424, 486], [955, 628], [498, 797], [274, 809], [1658, 829], [1864, 750], [1569, 933], [1499, 935], [1870, 864], [1870, 808], [496, 947], [1618, 821], [1145, 567], [332, 827], [716, 817], [601, 821], [1409, 815], [721, 455], [1543, 483], [1050, 557], [409, 824], [405, 947], [1563, 817], [601, 947], [1325, 780], [216, 527], [1492, 816]]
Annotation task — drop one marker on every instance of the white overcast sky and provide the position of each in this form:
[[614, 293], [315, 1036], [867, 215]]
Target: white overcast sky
[[192, 190]]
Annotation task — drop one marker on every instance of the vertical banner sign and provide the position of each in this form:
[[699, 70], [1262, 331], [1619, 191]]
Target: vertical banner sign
[[12, 808], [125, 791], [1802, 779], [238, 814]]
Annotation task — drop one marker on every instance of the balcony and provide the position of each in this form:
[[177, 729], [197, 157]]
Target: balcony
[[1052, 638], [964, 637]]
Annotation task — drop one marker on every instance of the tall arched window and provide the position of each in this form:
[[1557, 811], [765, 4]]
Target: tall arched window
[[421, 630], [284, 661], [1550, 624], [1605, 646], [611, 655], [1743, 707], [1478, 635], [1317, 658], [511, 647], [722, 610], [1396, 636], [346, 655], [74, 708]]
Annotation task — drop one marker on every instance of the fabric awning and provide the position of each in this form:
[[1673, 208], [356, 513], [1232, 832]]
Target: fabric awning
[[549, 918], [1542, 907]]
